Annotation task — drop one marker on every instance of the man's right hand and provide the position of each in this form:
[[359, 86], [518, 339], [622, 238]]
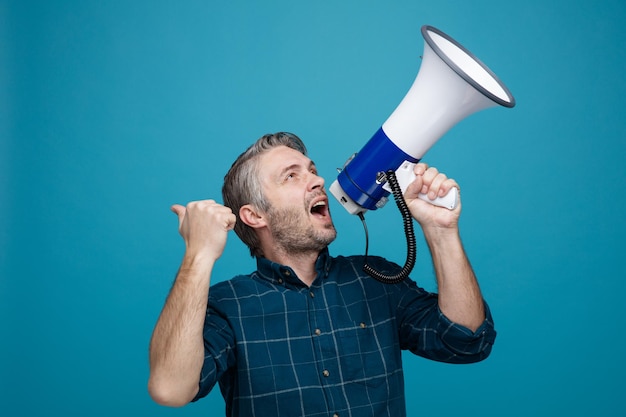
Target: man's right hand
[[204, 226]]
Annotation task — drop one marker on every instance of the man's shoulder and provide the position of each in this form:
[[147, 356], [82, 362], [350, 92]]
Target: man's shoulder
[[234, 286], [350, 268], [357, 262]]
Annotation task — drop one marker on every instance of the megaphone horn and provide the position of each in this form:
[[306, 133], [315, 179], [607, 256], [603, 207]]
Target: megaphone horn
[[450, 85]]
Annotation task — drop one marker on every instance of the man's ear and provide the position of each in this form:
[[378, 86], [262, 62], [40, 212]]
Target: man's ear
[[251, 216]]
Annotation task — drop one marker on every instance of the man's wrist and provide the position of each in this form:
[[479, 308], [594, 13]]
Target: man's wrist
[[437, 234], [196, 264]]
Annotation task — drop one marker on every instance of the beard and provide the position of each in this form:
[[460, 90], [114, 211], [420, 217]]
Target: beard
[[295, 234]]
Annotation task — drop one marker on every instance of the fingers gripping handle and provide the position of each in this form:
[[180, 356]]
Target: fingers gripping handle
[[449, 201], [405, 176]]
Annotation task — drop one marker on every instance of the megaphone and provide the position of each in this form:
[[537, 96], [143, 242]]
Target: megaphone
[[450, 85]]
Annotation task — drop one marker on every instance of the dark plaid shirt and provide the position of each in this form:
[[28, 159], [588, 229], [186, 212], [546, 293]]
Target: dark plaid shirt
[[280, 348]]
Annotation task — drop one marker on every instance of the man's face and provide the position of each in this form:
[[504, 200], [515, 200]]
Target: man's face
[[299, 217]]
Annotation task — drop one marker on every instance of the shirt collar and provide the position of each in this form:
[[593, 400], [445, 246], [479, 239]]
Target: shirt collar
[[279, 274]]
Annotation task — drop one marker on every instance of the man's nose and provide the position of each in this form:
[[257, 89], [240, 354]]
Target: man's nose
[[316, 182]]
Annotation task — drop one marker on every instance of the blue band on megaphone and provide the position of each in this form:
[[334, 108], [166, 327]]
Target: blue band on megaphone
[[359, 177]]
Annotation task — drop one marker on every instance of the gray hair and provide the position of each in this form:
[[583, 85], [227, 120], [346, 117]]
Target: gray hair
[[242, 185]]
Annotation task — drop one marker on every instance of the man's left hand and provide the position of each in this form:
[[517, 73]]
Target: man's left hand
[[434, 184]]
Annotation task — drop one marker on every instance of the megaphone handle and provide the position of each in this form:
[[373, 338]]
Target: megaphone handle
[[406, 175], [449, 201]]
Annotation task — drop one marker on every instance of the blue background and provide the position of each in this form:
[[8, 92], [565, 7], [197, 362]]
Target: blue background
[[112, 111]]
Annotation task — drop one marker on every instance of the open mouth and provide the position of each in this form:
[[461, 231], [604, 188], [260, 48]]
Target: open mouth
[[320, 208]]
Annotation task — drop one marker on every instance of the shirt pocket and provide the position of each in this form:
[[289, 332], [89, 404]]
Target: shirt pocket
[[366, 357]]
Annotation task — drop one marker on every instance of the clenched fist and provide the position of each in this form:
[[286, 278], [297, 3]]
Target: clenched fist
[[204, 226]]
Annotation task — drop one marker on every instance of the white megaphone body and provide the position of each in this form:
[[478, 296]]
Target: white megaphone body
[[451, 84]]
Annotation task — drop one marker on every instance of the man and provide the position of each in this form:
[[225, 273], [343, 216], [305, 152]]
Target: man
[[307, 334]]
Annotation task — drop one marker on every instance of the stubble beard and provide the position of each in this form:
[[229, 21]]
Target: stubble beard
[[295, 235]]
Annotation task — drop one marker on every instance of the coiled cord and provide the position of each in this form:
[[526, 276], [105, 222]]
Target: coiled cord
[[408, 231]]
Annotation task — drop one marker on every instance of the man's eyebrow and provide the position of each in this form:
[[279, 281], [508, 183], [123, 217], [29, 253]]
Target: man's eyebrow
[[294, 167], [287, 169]]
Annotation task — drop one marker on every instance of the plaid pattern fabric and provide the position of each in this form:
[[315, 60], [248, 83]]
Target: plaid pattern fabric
[[280, 348]]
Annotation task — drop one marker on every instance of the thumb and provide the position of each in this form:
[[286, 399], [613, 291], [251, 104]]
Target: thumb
[[414, 188], [180, 211]]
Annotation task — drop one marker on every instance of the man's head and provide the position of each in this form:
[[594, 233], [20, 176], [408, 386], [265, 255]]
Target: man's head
[[274, 187]]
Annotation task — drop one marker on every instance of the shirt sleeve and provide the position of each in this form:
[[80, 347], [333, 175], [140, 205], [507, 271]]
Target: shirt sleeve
[[427, 332], [218, 350]]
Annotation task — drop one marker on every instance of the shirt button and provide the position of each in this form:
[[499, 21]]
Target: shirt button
[[362, 325], [335, 415], [312, 294], [280, 280], [287, 273], [326, 373], [318, 332]]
